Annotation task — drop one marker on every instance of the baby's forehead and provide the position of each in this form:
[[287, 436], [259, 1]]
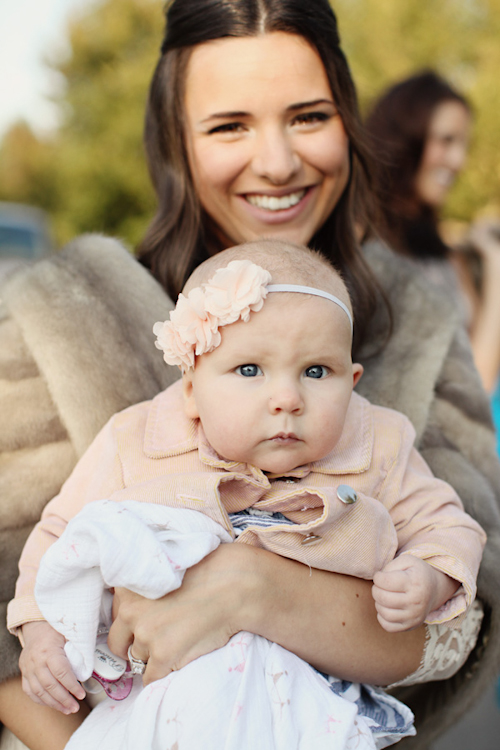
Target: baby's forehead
[[315, 310], [287, 265], [299, 321]]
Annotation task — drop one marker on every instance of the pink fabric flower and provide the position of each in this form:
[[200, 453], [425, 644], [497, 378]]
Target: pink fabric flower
[[194, 324], [236, 290], [176, 351], [193, 329]]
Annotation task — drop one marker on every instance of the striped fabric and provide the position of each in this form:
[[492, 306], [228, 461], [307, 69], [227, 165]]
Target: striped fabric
[[153, 453]]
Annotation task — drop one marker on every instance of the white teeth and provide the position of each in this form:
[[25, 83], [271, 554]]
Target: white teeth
[[273, 203]]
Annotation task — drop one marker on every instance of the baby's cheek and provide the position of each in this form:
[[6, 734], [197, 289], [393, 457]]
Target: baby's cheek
[[329, 432]]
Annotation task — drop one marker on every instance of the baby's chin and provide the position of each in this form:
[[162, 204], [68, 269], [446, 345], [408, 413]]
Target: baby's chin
[[279, 466]]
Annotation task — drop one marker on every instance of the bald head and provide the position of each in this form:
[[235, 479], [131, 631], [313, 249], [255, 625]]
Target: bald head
[[287, 263]]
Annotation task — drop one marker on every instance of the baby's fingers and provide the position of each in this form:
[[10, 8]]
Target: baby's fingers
[[47, 692], [396, 581], [391, 623], [59, 668]]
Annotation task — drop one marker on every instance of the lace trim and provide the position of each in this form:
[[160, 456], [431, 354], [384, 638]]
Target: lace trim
[[446, 649]]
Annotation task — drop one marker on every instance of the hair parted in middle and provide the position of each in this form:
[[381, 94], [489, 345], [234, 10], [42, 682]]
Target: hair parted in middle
[[178, 237]]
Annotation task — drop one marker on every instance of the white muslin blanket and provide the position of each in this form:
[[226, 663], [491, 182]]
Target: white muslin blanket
[[249, 694]]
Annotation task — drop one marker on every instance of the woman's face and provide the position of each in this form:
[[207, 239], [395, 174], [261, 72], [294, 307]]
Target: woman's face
[[267, 149], [444, 152]]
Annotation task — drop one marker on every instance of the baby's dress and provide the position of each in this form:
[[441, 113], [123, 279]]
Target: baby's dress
[[250, 693]]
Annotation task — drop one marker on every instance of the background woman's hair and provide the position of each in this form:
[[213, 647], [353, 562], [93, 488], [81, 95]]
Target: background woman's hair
[[398, 126], [178, 237]]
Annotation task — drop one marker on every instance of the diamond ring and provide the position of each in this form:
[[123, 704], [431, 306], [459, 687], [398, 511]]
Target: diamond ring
[[137, 666]]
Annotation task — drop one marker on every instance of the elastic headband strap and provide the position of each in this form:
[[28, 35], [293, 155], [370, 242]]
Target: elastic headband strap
[[310, 290]]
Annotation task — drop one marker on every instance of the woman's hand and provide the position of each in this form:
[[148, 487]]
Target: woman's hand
[[47, 675], [325, 618], [198, 618]]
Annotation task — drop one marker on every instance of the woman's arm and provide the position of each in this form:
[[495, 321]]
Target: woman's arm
[[327, 619]]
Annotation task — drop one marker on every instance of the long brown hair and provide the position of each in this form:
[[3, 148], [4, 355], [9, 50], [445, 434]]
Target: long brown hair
[[176, 241], [399, 125]]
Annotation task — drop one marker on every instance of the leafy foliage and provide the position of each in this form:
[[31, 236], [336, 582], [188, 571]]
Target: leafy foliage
[[91, 175], [387, 40]]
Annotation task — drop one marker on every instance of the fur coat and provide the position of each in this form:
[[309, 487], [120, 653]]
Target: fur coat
[[76, 346]]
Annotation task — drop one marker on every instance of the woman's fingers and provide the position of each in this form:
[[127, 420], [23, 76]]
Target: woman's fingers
[[170, 632], [121, 633]]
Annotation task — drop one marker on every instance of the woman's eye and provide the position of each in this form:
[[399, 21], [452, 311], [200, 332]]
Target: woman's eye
[[227, 127], [309, 118], [316, 371], [249, 371]]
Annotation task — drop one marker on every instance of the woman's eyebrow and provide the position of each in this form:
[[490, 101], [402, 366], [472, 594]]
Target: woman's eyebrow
[[313, 103], [290, 108], [224, 115]]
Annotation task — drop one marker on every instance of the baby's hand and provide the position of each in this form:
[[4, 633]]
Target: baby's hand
[[47, 675], [406, 590]]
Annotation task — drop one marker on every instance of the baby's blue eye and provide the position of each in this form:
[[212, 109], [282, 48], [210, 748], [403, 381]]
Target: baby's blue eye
[[249, 371], [316, 371]]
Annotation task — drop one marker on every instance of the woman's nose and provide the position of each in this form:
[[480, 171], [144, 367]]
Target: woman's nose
[[275, 158]]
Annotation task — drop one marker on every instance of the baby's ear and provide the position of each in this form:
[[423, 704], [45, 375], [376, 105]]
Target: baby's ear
[[357, 371], [188, 392]]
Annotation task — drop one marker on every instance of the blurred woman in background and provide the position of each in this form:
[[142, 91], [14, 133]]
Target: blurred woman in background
[[420, 130]]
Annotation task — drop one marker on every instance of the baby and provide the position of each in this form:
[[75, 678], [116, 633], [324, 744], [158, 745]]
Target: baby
[[265, 436]]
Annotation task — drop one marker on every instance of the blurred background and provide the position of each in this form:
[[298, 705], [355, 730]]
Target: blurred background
[[73, 85], [74, 76]]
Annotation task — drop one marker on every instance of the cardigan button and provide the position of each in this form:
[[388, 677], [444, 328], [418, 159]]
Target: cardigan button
[[311, 539], [346, 494]]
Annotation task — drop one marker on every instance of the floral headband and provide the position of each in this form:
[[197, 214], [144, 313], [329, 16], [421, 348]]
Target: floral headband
[[231, 294]]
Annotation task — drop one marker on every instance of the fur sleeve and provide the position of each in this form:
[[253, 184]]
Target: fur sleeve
[[426, 371], [76, 346]]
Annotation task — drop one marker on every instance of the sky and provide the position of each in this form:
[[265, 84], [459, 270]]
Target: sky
[[29, 30]]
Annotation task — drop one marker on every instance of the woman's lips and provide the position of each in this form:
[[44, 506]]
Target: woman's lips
[[276, 208], [275, 202]]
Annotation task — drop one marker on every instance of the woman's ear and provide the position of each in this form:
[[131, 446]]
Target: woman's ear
[[357, 371], [188, 392]]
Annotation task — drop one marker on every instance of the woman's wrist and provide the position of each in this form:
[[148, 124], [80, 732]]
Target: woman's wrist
[[325, 618]]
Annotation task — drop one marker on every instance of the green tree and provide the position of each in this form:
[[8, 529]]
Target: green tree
[[387, 40], [92, 176]]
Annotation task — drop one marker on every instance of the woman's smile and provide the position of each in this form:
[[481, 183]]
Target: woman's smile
[[276, 202], [266, 160], [278, 208]]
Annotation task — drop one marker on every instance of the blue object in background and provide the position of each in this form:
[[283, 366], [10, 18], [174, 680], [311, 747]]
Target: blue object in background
[[495, 412]]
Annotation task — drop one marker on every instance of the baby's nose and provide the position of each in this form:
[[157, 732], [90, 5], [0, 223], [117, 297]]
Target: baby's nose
[[287, 399]]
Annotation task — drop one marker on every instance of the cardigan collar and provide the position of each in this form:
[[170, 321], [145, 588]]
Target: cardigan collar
[[169, 432]]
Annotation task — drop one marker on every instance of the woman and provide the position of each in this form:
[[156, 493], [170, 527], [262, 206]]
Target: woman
[[420, 129], [241, 145]]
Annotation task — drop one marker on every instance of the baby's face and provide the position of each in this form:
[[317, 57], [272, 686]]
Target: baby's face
[[275, 392]]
